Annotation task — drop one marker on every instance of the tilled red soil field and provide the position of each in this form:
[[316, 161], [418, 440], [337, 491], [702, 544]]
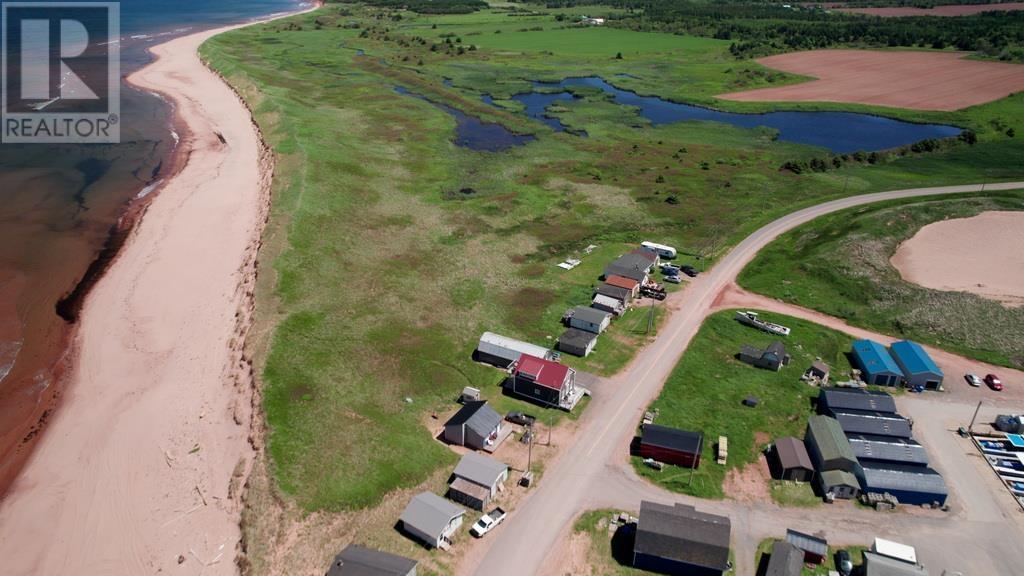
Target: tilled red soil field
[[898, 79], [952, 10]]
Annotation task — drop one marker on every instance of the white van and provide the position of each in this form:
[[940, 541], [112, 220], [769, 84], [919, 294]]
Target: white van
[[659, 249]]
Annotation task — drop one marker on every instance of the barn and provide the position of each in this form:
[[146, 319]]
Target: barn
[[680, 540], [875, 364], [832, 399], [785, 560], [788, 460], [876, 423], [577, 342], [918, 367], [827, 445], [884, 450], [671, 445]]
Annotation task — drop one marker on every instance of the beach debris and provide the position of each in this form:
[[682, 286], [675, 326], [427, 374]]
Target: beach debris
[[168, 459], [221, 137], [194, 449], [181, 558], [201, 494]]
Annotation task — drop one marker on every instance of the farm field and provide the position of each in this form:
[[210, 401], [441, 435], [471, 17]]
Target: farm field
[[390, 249], [708, 385], [840, 265], [895, 78], [947, 10]]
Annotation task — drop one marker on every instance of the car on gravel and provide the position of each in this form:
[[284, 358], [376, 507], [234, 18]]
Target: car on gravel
[[670, 270], [993, 382], [689, 271], [973, 380], [487, 522], [521, 418], [673, 279]]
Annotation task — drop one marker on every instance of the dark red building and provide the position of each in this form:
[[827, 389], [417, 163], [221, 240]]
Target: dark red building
[[671, 445]]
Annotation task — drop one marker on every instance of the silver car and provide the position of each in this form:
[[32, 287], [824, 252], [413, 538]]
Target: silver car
[[973, 380]]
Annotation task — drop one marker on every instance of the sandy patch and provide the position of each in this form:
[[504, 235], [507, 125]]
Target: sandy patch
[[953, 10], [898, 79], [983, 254]]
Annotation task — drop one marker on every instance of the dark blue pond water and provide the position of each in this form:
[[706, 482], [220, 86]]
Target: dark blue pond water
[[836, 131], [472, 132]]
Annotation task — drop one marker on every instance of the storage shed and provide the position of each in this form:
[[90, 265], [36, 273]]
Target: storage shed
[[616, 293], [476, 425], [788, 460], [895, 550], [577, 342], [909, 484], [476, 480], [359, 561], [501, 351], [774, 357], [878, 565], [680, 540], [883, 450], [785, 560], [608, 304], [815, 549], [432, 519], [590, 319], [622, 282], [819, 370], [832, 399], [876, 365], [838, 483], [545, 381], [827, 445], [918, 367], [875, 423], [671, 445]]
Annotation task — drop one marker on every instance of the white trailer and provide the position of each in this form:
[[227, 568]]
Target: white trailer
[[662, 250], [501, 350]]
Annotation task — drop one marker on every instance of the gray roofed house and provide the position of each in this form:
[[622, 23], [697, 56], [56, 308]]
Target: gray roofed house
[[680, 540], [476, 480], [590, 319], [869, 422], [577, 342], [432, 519], [831, 399], [621, 294], [475, 425], [608, 304], [887, 449], [909, 484], [878, 565], [785, 560], [359, 561], [635, 266], [815, 549]]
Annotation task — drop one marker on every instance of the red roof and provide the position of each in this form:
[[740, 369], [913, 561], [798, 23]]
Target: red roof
[[621, 282], [544, 372]]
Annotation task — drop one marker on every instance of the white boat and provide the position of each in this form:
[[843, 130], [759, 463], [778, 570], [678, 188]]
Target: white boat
[[750, 319]]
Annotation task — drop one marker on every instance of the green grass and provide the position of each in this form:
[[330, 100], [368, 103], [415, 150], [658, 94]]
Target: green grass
[[856, 555], [839, 264], [797, 495], [705, 391], [384, 274], [610, 553]]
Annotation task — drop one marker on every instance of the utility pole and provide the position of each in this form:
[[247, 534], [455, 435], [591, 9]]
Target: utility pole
[[700, 446], [529, 458], [650, 318], [970, 427]]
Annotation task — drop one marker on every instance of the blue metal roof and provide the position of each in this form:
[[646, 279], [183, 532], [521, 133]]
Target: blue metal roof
[[1016, 439], [913, 357], [874, 358]]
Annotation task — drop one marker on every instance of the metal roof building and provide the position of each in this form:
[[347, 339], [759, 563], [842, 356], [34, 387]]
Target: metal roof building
[[909, 484], [476, 480], [839, 483], [359, 561], [876, 423], [876, 365], [815, 549], [887, 449], [671, 445], [590, 319], [788, 460], [475, 425], [577, 342], [918, 367], [786, 560], [827, 445], [680, 540], [877, 565], [830, 399], [502, 350], [432, 519]]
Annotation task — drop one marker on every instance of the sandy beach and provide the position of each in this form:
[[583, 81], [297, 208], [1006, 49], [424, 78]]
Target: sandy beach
[[140, 469], [983, 254]]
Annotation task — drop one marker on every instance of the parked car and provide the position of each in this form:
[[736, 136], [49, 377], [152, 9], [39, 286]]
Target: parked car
[[487, 522], [973, 380], [993, 382], [673, 279], [520, 418], [669, 270], [844, 563], [689, 271]]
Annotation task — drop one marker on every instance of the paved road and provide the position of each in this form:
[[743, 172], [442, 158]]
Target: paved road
[[590, 472]]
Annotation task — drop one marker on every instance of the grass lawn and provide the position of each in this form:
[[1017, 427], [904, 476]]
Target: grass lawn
[[705, 391], [764, 550], [839, 264], [610, 552], [798, 495]]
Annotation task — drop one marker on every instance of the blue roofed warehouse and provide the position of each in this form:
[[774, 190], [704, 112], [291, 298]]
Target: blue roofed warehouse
[[876, 365], [918, 367]]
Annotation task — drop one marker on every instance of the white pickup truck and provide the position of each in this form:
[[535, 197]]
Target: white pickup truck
[[487, 522]]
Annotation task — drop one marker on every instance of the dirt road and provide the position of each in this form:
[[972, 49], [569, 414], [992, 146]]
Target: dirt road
[[591, 472]]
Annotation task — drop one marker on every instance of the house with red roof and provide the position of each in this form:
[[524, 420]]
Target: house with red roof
[[622, 282], [546, 382]]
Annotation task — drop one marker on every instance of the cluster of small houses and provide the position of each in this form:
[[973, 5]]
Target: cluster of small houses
[[885, 558]]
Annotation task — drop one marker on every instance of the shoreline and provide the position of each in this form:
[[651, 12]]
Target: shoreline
[[141, 468]]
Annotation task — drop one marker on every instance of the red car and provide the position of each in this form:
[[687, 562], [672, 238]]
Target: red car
[[993, 382]]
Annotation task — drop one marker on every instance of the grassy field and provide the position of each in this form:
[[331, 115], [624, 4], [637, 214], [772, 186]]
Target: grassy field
[[389, 249], [707, 387], [764, 550], [839, 264], [610, 552]]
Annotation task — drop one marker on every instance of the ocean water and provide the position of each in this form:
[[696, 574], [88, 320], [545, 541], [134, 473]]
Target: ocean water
[[58, 204]]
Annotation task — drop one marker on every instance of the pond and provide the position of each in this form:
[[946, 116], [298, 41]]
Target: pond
[[840, 132], [472, 132]]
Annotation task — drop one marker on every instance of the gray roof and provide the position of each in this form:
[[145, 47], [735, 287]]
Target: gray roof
[[820, 366], [359, 561], [878, 565], [857, 399], [839, 478], [592, 315], [786, 560], [777, 348], [480, 469], [621, 294], [807, 543], [894, 478], [477, 416], [429, 513], [877, 423], [631, 265], [792, 453], [577, 337], [887, 449], [829, 438], [682, 533]]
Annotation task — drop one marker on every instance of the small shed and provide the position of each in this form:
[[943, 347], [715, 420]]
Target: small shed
[[774, 357], [815, 549], [359, 561], [876, 365], [785, 560], [838, 483], [671, 445], [501, 350], [788, 460], [476, 425], [901, 552], [476, 480], [623, 295], [818, 370], [918, 367], [577, 342], [432, 519], [878, 565], [590, 319], [608, 304], [622, 282]]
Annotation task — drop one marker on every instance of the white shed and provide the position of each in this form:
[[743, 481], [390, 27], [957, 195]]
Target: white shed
[[590, 319], [502, 350]]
